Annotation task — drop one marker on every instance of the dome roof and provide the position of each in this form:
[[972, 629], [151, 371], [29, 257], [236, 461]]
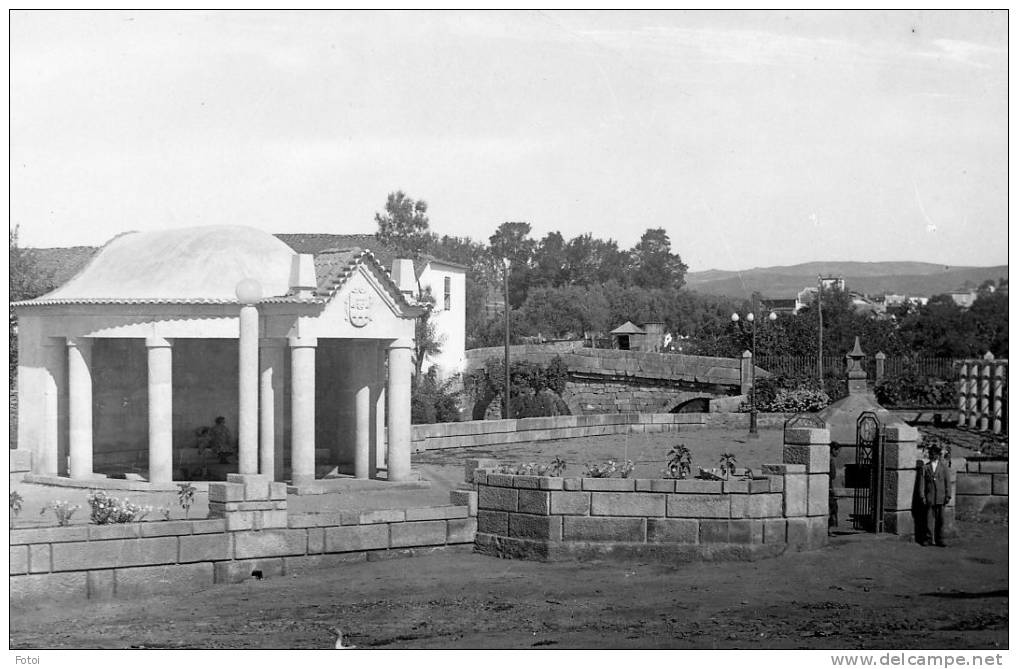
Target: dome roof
[[187, 264]]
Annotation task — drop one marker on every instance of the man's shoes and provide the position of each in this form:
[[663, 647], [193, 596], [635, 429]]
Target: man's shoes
[[924, 543]]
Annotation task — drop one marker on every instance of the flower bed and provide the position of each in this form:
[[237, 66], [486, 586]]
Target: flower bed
[[548, 518]]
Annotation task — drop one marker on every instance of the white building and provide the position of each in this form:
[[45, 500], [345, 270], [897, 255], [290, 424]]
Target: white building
[[446, 282]]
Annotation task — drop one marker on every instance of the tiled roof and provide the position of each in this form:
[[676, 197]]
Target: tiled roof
[[628, 328]]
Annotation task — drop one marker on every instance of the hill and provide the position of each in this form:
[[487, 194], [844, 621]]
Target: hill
[[871, 278]]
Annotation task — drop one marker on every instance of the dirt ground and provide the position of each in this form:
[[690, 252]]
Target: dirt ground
[[861, 592]]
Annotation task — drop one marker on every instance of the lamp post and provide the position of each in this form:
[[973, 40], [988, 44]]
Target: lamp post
[[506, 411], [820, 332], [753, 434]]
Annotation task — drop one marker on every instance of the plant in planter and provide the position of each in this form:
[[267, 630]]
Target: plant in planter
[[627, 469], [727, 464], [556, 468], [185, 496], [16, 502], [62, 510], [600, 471], [107, 510], [680, 463]]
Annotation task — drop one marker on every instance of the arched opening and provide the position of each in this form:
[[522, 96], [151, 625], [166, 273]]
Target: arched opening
[[695, 405]]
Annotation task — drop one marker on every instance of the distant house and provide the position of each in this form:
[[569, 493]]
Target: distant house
[[632, 337], [963, 298], [779, 305]]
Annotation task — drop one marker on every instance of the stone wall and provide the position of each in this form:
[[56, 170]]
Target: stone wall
[[981, 483], [254, 533], [605, 395], [548, 518], [516, 430]]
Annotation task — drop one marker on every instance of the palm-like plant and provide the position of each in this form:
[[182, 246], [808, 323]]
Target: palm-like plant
[[680, 462], [727, 463]]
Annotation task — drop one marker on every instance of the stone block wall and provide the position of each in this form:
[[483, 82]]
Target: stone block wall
[[981, 483], [511, 431], [253, 533], [549, 518]]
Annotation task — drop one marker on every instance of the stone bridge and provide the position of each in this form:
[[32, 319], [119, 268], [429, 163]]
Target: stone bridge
[[613, 381]]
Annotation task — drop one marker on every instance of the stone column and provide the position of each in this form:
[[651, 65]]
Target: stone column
[[362, 372], [880, 358], [302, 412], [972, 394], [378, 442], [247, 421], [398, 403], [270, 414], [53, 380], [999, 371], [79, 386], [984, 394], [963, 388], [160, 410]]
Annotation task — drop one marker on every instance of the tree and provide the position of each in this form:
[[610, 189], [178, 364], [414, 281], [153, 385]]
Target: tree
[[565, 310], [655, 266], [404, 226], [550, 261], [426, 339], [512, 241]]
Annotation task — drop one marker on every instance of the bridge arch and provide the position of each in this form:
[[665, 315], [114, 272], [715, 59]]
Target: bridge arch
[[694, 405]]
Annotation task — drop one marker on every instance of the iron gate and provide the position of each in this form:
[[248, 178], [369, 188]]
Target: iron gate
[[868, 510]]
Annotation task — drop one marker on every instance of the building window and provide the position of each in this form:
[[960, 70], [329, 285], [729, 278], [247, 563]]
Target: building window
[[448, 293]]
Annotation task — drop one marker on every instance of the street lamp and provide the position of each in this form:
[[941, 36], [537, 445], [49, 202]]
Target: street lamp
[[506, 411], [753, 434]]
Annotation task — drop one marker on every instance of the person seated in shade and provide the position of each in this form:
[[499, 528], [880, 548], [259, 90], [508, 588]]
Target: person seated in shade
[[936, 494], [221, 440]]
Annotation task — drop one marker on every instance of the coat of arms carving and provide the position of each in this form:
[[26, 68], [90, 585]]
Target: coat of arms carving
[[359, 307]]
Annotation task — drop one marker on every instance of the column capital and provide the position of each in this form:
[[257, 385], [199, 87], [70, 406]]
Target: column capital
[[79, 342], [401, 343], [302, 342], [158, 342]]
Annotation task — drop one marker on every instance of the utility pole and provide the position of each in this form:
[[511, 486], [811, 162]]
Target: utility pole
[[820, 333], [506, 412]]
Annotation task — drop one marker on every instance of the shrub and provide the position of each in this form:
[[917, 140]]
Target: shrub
[[107, 510], [433, 401], [788, 393], [62, 510], [535, 390], [914, 390]]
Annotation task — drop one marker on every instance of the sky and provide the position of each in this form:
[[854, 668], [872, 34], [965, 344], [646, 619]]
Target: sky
[[753, 138]]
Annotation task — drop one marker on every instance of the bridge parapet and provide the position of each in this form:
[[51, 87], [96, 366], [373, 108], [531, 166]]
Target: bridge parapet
[[584, 362]]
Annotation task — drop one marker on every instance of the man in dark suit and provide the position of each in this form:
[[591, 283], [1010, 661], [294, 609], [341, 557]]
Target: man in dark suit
[[936, 493]]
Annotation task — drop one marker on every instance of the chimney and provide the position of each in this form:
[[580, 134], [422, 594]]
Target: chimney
[[303, 281], [403, 275]]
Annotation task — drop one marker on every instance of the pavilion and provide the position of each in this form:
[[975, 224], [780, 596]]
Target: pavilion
[[308, 358]]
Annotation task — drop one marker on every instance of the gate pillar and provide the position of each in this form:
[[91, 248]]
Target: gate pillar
[[811, 446]]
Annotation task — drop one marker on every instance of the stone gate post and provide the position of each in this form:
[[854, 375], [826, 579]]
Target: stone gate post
[[811, 447]]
